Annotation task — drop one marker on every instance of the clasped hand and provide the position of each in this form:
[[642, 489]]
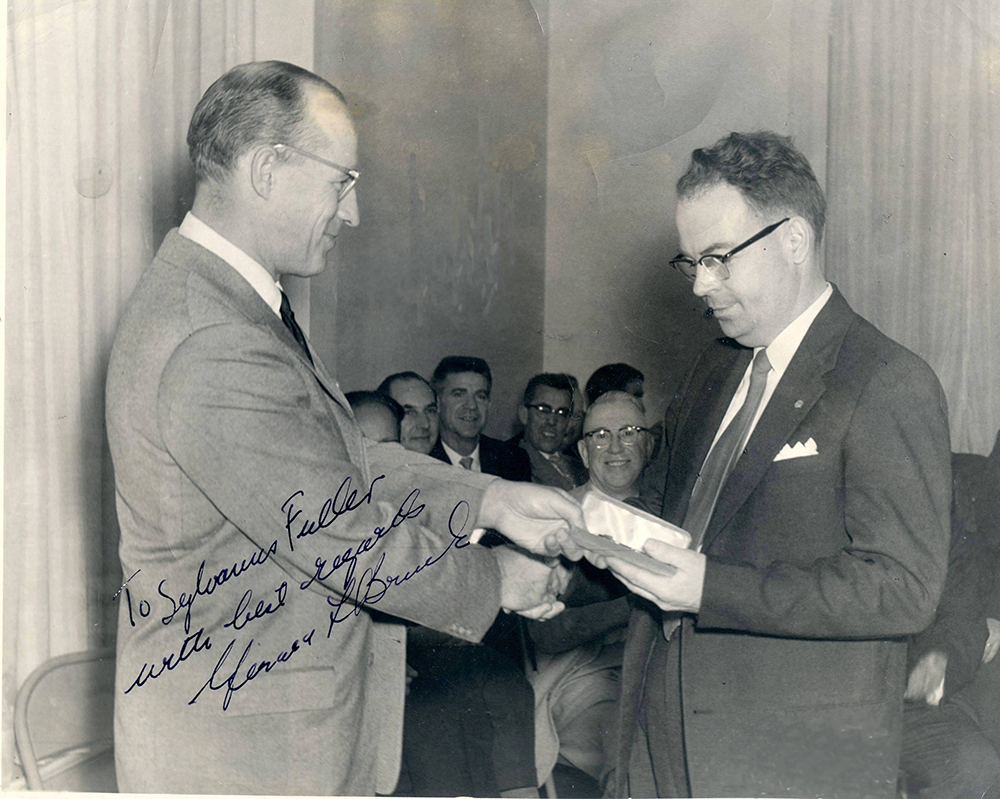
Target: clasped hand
[[676, 585], [530, 584]]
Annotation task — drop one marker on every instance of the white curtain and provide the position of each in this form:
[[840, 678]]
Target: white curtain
[[913, 177], [99, 96]]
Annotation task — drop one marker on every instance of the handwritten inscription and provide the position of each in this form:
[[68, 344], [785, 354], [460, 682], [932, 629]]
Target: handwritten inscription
[[376, 587], [206, 586], [234, 682], [349, 589], [343, 501]]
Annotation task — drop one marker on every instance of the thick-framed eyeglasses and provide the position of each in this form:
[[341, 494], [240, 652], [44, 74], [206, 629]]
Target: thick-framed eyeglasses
[[352, 174], [716, 264], [548, 410], [628, 436]]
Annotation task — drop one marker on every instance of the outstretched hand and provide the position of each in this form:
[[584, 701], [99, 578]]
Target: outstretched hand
[[535, 517]]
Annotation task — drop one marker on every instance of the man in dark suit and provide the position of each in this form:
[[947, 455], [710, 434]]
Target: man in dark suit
[[809, 459], [269, 550], [463, 386]]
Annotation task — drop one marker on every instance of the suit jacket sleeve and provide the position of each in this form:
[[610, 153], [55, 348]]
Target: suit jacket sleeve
[[959, 628], [252, 429], [896, 487]]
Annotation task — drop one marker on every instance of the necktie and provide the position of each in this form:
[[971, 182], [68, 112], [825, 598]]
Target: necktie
[[289, 319], [466, 462], [724, 454]]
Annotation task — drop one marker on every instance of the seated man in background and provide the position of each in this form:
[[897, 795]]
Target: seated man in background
[[377, 415], [463, 386], [952, 706], [469, 722], [580, 652], [545, 413], [418, 431]]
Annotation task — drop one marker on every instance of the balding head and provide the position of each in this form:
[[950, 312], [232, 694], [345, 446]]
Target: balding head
[[263, 102], [615, 464], [275, 152]]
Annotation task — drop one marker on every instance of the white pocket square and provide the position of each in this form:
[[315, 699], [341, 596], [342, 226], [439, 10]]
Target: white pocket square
[[800, 450]]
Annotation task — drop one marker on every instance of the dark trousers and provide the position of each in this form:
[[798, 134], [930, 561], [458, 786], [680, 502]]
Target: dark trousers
[[658, 765], [469, 724], [945, 754]]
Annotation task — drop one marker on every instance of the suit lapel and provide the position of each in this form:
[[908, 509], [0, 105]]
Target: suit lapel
[[798, 391], [697, 427], [227, 282]]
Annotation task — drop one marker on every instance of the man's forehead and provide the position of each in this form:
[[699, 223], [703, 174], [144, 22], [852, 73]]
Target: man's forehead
[[409, 391], [711, 215], [554, 397], [331, 117], [465, 380], [613, 415]]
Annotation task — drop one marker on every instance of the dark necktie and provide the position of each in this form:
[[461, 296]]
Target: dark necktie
[[289, 319], [724, 454], [466, 462]]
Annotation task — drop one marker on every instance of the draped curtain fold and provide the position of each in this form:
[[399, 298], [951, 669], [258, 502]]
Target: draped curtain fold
[[913, 177], [99, 96]]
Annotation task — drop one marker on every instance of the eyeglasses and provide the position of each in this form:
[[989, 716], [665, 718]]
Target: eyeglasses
[[716, 264], [352, 174], [547, 410], [628, 436]]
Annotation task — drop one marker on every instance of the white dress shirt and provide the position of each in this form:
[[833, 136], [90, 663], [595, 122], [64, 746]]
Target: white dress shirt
[[780, 353], [250, 270]]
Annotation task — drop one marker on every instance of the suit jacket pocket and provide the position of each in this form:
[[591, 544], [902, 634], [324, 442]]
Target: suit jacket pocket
[[284, 691]]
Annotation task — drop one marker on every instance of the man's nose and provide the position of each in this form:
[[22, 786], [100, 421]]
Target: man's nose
[[348, 211], [422, 422], [616, 443], [705, 282]]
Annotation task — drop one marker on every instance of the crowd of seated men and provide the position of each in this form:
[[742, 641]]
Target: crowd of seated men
[[536, 701]]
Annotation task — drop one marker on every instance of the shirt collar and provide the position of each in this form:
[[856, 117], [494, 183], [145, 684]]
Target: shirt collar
[[257, 276], [781, 351], [456, 458]]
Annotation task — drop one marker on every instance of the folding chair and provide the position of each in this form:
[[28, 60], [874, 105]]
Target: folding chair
[[64, 723]]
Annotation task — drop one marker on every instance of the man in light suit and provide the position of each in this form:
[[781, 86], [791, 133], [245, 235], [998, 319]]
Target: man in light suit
[[808, 456], [265, 543]]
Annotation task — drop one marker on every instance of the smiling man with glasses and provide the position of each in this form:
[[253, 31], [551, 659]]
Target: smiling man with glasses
[[808, 456], [545, 413]]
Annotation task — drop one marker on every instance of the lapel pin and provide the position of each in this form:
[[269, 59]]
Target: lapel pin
[[799, 403]]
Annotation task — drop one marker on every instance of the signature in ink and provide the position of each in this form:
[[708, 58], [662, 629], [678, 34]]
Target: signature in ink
[[223, 576], [408, 509], [344, 501], [193, 644], [376, 587], [234, 682]]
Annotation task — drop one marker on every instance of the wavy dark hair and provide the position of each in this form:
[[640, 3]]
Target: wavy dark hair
[[773, 176]]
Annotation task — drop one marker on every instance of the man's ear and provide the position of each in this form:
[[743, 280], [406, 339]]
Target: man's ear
[[581, 447], [522, 415], [262, 175], [798, 239]]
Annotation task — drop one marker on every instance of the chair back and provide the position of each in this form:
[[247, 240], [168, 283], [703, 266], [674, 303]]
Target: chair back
[[64, 723]]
